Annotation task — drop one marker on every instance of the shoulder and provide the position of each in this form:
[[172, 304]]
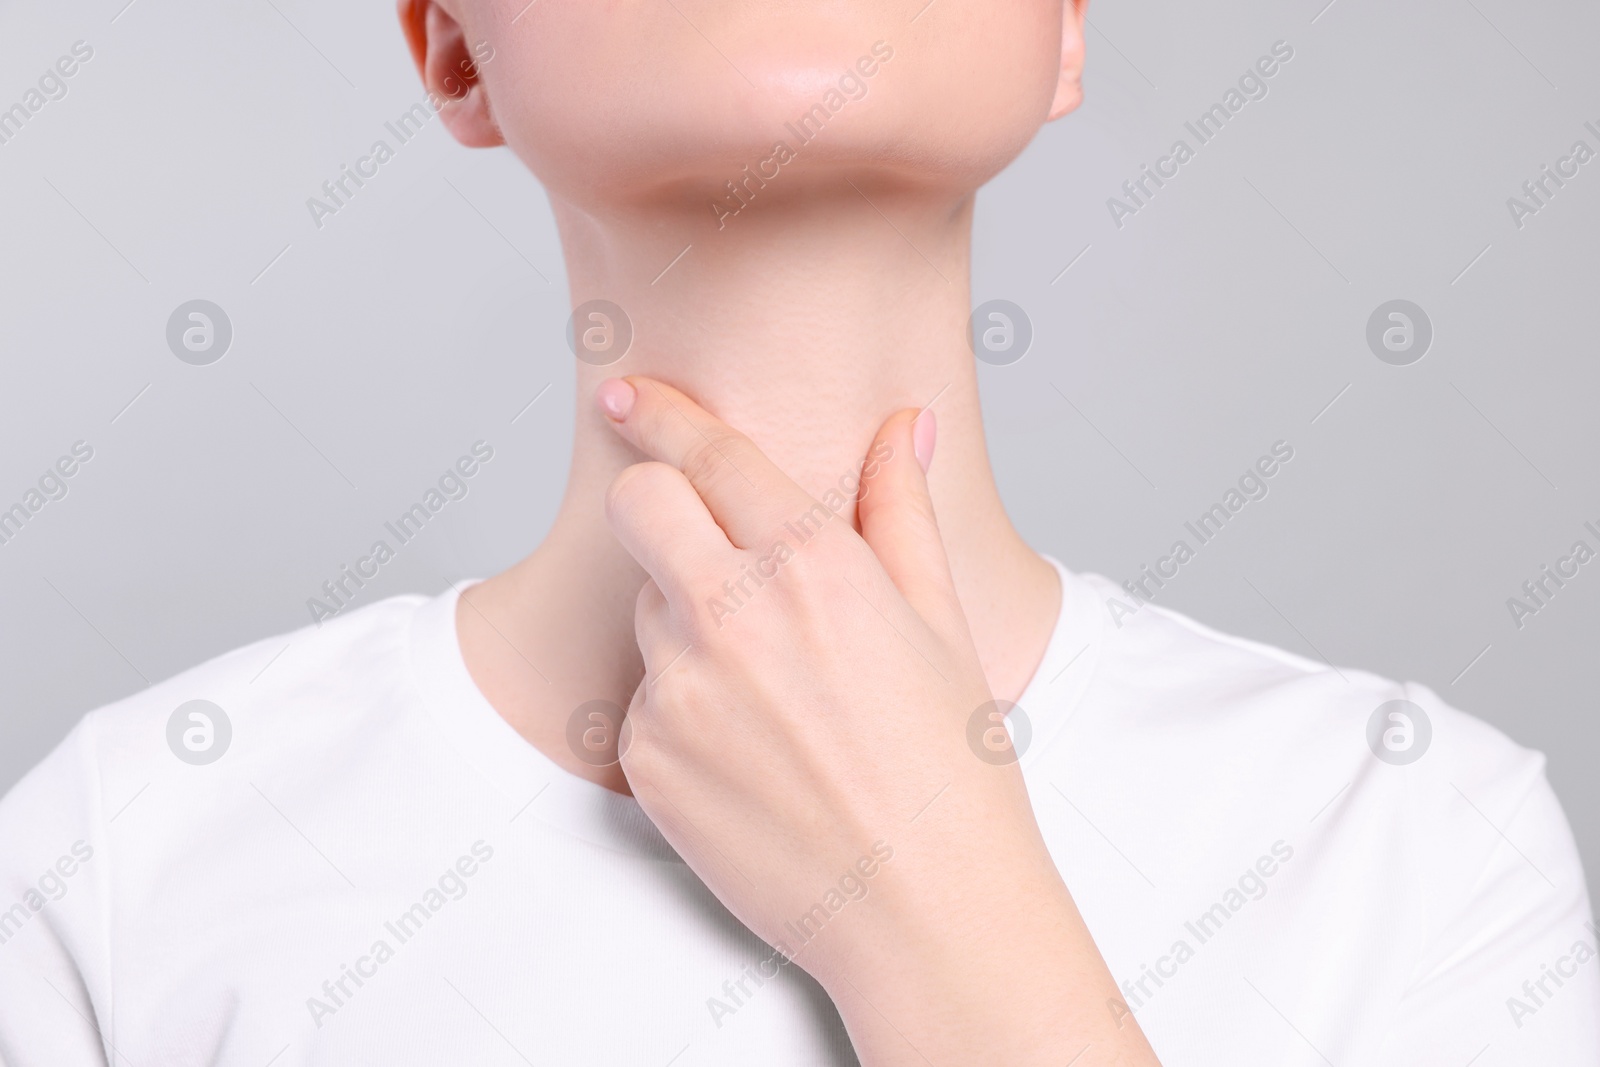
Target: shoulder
[[1387, 789], [1262, 736], [1214, 680], [127, 810], [326, 674], [139, 784], [320, 670], [1418, 853]]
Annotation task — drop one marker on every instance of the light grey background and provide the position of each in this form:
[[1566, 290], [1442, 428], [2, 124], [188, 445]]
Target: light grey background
[[1229, 313]]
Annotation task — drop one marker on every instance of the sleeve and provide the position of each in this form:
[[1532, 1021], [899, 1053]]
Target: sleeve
[[54, 945], [1510, 972]]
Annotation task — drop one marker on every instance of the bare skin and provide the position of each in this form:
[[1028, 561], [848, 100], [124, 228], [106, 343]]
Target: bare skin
[[772, 360]]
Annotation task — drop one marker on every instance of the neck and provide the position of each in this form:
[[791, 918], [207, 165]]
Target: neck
[[805, 326]]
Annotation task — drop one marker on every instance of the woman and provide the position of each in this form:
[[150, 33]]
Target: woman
[[890, 786]]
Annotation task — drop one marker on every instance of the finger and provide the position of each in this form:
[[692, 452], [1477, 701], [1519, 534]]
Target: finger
[[664, 524], [660, 642], [897, 520], [745, 491], [653, 629]]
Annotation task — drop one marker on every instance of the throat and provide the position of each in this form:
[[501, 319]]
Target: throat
[[805, 326]]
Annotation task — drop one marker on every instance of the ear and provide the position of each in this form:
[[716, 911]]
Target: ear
[[1069, 89], [450, 71]]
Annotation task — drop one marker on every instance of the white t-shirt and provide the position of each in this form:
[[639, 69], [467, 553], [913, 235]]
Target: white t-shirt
[[378, 869]]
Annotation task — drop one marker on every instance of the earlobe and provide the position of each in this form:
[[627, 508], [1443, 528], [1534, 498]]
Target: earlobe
[[451, 72], [1069, 86]]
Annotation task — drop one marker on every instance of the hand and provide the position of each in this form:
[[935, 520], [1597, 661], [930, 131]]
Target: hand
[[801, 735]]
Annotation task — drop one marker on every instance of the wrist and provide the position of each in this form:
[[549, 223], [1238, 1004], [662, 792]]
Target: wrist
[[936, 919], [992, 977]]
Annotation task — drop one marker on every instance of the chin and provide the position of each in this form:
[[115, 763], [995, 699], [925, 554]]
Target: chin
[[637, 102]]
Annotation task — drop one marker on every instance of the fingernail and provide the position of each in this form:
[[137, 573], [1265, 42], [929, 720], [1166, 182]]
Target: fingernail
[[616, 398], [924, 432]]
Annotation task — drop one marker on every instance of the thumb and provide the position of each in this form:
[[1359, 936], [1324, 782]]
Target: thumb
[[896, 515]]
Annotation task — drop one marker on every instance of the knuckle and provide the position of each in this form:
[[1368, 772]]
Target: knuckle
[[649, 597], [650, 611], [630, 488], [633, 748], [620, 492], [713, 457]]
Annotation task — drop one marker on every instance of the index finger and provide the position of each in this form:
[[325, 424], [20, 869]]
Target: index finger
[[744, 490]]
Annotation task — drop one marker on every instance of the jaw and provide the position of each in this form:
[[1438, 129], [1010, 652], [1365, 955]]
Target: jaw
[[795, 95]]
